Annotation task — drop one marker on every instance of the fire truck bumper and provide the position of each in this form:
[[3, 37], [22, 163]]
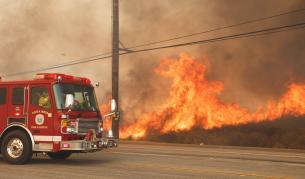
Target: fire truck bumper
[[88, 146]]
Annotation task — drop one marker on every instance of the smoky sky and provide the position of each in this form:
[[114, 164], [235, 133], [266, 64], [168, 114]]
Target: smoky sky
[[253, 69], [38, 33]]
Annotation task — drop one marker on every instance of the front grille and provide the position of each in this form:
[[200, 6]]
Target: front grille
[[86, 124]]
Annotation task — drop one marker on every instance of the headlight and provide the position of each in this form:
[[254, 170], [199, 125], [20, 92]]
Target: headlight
[[71, 129], [100, 124]]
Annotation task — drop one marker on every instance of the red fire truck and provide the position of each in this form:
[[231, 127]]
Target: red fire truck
[[55, 113]]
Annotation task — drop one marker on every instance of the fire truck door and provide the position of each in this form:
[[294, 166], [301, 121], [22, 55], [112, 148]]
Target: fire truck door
[[3, 107], [40, 110], [17, 112]]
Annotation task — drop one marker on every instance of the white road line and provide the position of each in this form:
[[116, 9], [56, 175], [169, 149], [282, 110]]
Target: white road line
[[156, 155], [296, 164], [227, 152]]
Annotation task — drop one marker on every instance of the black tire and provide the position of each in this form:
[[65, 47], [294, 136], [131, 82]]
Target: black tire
[[14, 154], [62, 155]]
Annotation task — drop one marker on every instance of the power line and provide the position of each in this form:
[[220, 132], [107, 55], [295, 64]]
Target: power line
[[76, 62], [210, 40], [128, 50], [82, 59], [234, 36], [220, 28]]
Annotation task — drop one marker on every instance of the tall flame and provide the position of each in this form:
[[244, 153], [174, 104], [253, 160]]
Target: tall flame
[[105, 109], [194, 101]]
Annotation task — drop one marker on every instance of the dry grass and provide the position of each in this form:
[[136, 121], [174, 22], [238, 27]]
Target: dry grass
[[287, 132]]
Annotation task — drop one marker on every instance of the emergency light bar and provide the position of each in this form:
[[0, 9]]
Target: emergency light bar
[[59, 77]]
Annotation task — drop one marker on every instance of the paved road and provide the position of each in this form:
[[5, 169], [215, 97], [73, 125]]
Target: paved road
[[155, 160]]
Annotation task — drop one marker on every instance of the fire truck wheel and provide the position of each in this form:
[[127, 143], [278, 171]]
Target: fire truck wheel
[[62, 155], [16, 147]]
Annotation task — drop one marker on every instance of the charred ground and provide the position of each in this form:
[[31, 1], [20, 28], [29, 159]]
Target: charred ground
[[287, 132]]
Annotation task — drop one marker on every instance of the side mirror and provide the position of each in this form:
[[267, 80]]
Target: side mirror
[[97, 84], [113, 105], [69, 100]]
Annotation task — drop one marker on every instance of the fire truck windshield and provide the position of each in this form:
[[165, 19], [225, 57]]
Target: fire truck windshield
[[83, 97]]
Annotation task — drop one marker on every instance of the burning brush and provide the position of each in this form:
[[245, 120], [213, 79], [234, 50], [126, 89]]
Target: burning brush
[[194, 102]]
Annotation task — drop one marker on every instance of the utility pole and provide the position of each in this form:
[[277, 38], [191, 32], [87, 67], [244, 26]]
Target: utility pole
[[115, 65]]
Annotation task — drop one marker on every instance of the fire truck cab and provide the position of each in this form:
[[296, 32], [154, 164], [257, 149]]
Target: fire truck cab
[[54, 113]]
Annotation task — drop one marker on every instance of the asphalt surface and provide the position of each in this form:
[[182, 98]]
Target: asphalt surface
[[156, 160]]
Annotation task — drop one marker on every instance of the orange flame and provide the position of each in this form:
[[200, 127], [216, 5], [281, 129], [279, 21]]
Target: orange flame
[[194, 101], [105, 109]]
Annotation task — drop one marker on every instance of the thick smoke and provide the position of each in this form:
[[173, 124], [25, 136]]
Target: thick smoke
[[253, 70], [37, 33]]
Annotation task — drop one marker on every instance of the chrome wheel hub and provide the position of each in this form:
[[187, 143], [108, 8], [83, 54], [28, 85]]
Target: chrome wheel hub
[[15, 148]]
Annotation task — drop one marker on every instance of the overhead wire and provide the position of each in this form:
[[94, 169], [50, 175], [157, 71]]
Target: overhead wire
[[129, 51], [204, 41], [234, 36], [221, 28]]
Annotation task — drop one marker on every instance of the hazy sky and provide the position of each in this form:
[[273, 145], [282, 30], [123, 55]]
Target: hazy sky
[[37, 33]]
